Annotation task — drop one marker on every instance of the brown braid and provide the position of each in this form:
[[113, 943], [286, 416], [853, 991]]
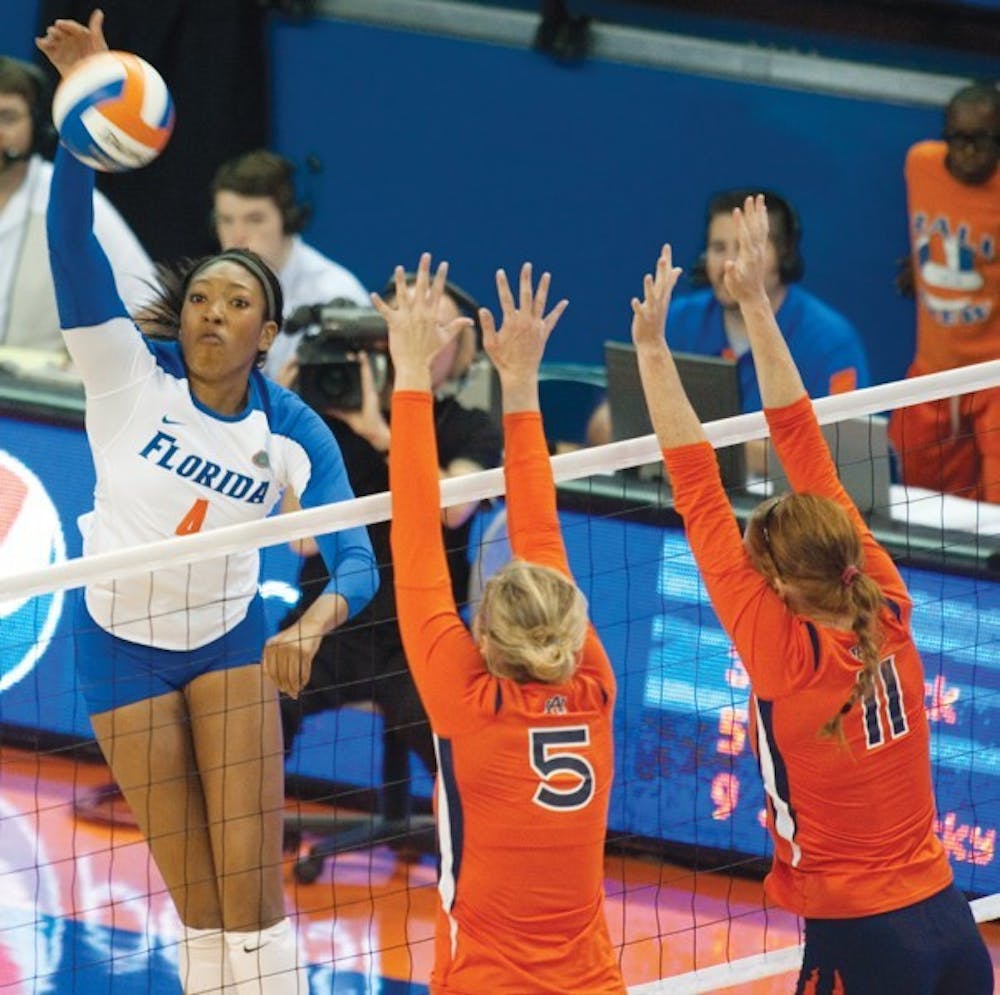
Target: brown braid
[[810, 543]]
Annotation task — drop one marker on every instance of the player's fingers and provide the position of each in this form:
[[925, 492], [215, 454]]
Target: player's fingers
[[542, 295], [96, 25], [762, 214], [554, 315], [270, 665], [423, 280], [746, 237], [399, 275], [487, 324], [437, 287], [297, 674], [380, 305], [504, 293], [289, 670], [525, 287]]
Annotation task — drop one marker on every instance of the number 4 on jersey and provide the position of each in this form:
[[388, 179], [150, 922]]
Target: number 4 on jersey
[[568, 778], [194, 519]]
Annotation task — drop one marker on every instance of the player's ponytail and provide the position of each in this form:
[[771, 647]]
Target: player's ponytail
[[160, 316], [864, 604], [532, 622], [810, 543]]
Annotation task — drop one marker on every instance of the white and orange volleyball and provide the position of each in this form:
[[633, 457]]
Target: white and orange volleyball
[[114, 112]]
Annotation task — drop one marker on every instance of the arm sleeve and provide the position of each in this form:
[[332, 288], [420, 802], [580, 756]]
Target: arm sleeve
[[439, 649], [533, 518], [806, 459], [347, 554], [778, 649], [86, 293]]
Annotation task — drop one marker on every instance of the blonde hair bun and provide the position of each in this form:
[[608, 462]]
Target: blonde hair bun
[[534, 621]]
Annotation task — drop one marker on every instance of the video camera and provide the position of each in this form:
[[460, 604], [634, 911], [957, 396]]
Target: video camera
[[329, 370]]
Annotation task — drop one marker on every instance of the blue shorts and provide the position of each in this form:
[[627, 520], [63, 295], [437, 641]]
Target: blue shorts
[[113, 672], [930, 948]]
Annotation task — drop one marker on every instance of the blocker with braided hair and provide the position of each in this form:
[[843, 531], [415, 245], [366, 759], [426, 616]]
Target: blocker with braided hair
[[820, 617]]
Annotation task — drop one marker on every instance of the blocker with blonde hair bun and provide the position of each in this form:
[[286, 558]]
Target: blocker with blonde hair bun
[[532, 621]]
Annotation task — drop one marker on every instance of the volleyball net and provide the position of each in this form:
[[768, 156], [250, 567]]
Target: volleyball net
[[687, 802]]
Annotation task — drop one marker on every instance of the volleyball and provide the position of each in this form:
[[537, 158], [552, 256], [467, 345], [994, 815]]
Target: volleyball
[[113, 111]]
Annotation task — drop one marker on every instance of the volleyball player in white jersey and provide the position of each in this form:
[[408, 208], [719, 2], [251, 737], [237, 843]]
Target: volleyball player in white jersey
[[188, 435]]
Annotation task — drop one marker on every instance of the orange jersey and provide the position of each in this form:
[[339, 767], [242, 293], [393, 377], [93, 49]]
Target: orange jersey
[[852, 825], [955, 243], [525, 770]]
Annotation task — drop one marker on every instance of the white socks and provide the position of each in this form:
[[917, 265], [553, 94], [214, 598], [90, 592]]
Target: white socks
[[202, 961], [265, 962]]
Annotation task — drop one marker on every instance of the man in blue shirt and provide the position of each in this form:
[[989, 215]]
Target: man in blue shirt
[[824, 344], [826, 347]]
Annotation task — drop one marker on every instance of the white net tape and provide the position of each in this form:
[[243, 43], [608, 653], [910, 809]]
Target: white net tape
[[460, 490]]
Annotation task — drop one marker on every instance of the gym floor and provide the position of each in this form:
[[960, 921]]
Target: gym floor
[[84, 909]]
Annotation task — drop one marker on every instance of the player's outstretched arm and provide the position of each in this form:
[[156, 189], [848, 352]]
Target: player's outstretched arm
[[673, 418], [438, 646], [516, 352], [777, 374], [86, 293]]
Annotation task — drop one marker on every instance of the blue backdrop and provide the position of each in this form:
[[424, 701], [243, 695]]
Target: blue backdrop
[[488, 155]]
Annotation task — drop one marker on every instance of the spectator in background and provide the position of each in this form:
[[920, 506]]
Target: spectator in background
[[953, 201], [254, 207], [826, 347], [28, 318], [364, 661]]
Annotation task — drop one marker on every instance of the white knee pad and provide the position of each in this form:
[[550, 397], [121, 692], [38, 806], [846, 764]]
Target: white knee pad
[[203, 962], [266, 962]]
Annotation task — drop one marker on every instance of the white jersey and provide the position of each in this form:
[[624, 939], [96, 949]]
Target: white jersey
[[166, 465]]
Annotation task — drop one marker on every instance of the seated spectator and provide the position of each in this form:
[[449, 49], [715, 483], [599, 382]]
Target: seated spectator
[[254, 207], [28, 317], [953, 194], [824, 344]]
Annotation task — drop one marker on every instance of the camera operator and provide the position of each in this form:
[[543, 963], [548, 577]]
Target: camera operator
[[344, 375]]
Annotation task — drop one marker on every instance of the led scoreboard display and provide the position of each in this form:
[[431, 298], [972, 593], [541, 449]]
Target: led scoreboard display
[[685, 772]]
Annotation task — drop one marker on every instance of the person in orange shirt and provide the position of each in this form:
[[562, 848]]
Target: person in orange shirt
[[953, 194], [821, 619], [520, 707]]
